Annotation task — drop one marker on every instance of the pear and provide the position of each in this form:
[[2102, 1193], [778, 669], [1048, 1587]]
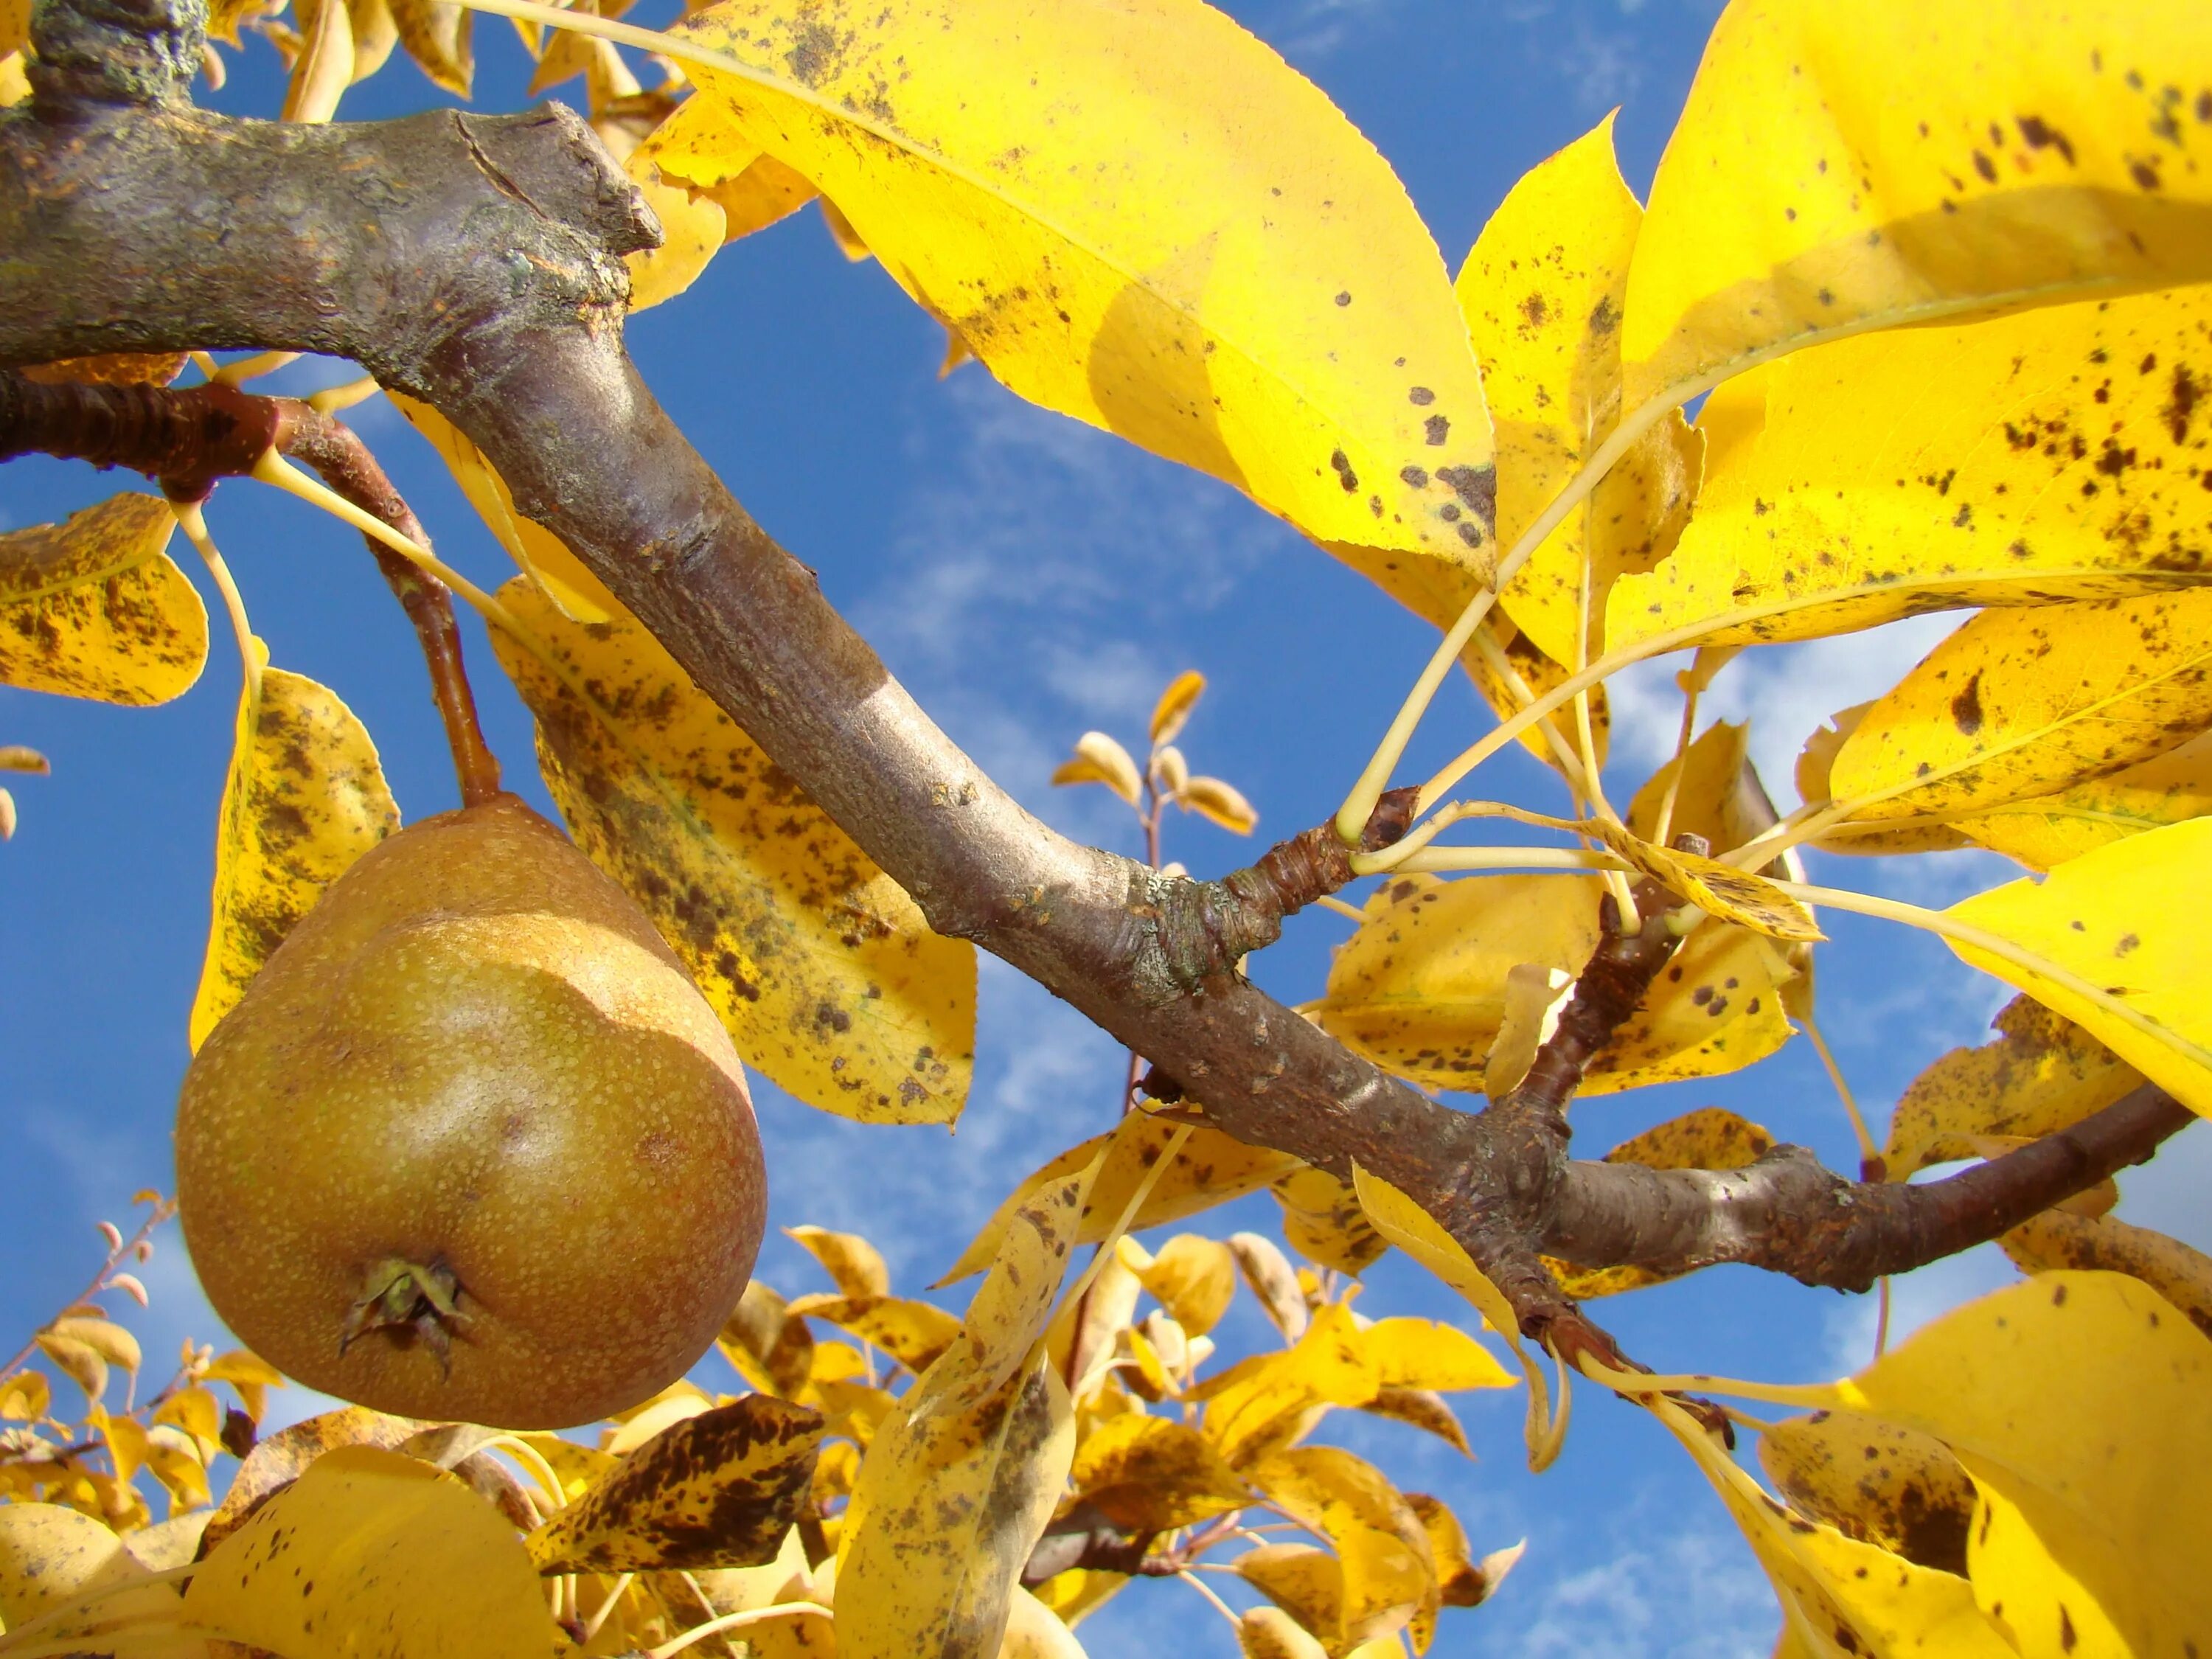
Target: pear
[[472, 1147]]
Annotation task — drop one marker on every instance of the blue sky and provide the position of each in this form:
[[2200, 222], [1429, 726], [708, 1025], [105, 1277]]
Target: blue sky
[[1027, 578]]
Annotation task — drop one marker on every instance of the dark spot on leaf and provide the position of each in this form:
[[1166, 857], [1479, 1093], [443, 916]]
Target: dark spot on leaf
[[1438, 428], [1415, 476], [1986, 167], [1967, 708], [1420, 397], [1344, 297], [1345, 475]]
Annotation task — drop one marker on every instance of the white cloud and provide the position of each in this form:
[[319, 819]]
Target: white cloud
[[1666, 1588]]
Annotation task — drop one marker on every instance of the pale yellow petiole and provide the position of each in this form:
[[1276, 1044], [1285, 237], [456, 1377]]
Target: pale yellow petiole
[[253, 368], [1493, 654], [1437, 860], [193, 523], [1867, 1149], [730, 1622], [1330, 902], [1665, 827], [614, 1597], [335, 399]]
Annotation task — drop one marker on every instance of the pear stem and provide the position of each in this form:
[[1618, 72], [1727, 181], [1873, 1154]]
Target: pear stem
[[335, 452]]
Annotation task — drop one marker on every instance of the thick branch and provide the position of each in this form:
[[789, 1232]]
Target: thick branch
[[1788, 1214]]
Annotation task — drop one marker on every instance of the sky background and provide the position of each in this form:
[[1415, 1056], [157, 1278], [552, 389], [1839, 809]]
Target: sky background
[[1027, 578]]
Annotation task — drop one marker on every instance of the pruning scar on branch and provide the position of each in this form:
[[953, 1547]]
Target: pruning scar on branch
[[475, 263]]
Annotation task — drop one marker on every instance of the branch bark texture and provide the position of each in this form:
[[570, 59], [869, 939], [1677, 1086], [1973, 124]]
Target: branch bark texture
[[475, 263]]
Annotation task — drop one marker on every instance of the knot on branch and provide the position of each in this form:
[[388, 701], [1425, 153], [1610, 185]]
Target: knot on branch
[[113, 52], [1203, 928]]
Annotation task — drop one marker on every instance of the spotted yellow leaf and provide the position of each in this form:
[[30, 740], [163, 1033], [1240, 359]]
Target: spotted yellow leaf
[[1323, 1222], [1379, 1541], [1719, 889], [823, 969], [2056, 1240], [702, 148], [1712, 790], [51, 1557], [1151, 1474], [367, 1540], [719, 1489], [1244, 289], [2025, 702], [1542, 294], [1843, 168], [1894, 1487], [2126, 921], [305, 796], [2063, 461], [94, 607], [912, 1333], [2046, 830]]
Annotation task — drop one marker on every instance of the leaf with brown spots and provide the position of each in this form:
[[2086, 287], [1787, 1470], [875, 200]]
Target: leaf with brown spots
[[912, 1333], [2114, 941], [1192, 1278], [701, 147], [278, 1459], [1893, 1487], [93, 607], [51, 1556], [1323, 1222], [1719, 889], [947, 1508], [1150, 1474], [1307, 1588], [1709, 1138], [1244, 289], [305, 798], [1817, 760], [1212, 1169], [825, 972], [1542, 294], [2047, 470], [2020, 703], [372, 1555], [1846, 167], [2056, 1240], [2044, 832], [1389, 1571], [1006, 1316], [1263, 1403], [2043, 1074], [855, 1265], [1840, 1599], [717, 1490], [765, 1345], [1715, 789]]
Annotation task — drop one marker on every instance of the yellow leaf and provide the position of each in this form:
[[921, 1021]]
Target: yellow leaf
[[93, 607], [1192, 1278], [435, 33], [2049, 829], [717, 1490], [1150, 1474], [1423, 1354], [103, 1336], [1816, 762], [1898, 160], [51, 1557], [1542, 294], [305, 796], [2019, 703], [823, 969], [1840, 1597], [1006, 1316], [1462, 1581], [2042, 1074], [1172, 712], [912, 1333], [1378, 1537], [249, 1374], [198, 1413], [2049, 468], [1536, 996], [692, 229], [2054, 1240], [14, 25], [25, 1396], [1100, 759], [1074, 1595], [701, 147], [1719, 889], [1307, 1587], [1716, 1008], [1262, 1404], [1421, 1408], [1138, 273], [1266, 1632], [83, 1365], [2124, 920], [1416, 1232], [1323, 1222], [855, 1265], [1035, 1632], [948, 1506], [279, 1459], [370, 1541], [14, 84], [770, 1349], [1421, 987], [177, 1462], [1211, 1169], [542, 556], [1273, 1281], [1210, 797], [1893, 1487], [1719, 795]]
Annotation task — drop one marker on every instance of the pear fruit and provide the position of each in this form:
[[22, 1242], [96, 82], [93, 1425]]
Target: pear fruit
[[472, 1147]]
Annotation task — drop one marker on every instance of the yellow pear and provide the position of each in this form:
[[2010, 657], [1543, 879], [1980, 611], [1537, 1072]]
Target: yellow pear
[[472, 1147]]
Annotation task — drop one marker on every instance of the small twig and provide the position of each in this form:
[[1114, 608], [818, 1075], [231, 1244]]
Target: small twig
[[128, 1249]]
